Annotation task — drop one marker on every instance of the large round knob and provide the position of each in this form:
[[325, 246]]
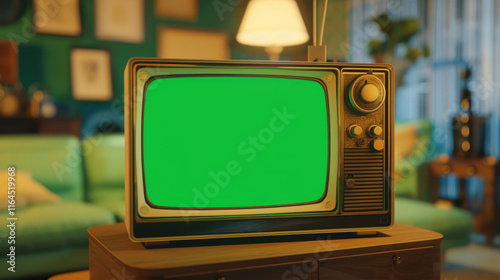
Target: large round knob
[[374, 130], [354, 130], [377, 145], [369, 93], [366, 94]]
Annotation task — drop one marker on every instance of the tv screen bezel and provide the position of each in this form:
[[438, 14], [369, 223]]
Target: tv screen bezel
[[325, 204]]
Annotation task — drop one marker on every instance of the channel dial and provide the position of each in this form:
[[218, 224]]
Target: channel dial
[[366, 94]]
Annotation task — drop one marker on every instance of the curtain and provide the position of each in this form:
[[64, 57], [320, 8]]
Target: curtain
[[458, 33]]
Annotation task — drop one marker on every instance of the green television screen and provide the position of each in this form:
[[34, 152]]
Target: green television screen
[[234, 141]]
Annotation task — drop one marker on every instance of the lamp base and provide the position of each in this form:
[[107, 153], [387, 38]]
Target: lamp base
[[274, 52]]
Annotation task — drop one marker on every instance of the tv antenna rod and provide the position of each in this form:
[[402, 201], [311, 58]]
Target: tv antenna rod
[[317, 52]]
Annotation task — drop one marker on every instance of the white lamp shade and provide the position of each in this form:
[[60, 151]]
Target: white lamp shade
[[272, 23]]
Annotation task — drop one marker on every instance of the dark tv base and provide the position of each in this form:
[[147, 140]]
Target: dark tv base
[[260, 239]]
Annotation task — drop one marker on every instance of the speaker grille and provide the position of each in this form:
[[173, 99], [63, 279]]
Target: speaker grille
[[367, 169]]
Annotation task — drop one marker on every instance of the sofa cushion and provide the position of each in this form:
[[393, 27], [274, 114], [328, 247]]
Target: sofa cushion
[[104, 156], [25, 191], [455, 224], [54, 160], [110, 199], [49, 227], [411, 157]]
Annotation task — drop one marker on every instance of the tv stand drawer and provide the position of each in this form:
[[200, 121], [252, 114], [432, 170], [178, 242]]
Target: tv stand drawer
[[302, 270], [420, 263]]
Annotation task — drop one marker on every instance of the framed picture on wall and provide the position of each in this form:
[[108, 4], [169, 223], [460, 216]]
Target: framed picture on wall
[[91, 78], [186, 10], [119, 20], [57, 17], [183, 43]]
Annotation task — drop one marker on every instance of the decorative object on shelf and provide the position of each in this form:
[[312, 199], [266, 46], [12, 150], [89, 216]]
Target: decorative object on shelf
[[485, 204], [10, 11], [91, 74], [468, 128], [185, 10], [118, 20], [9, 62], [183, 43], [57, 17], [41, 105], [395, 46], [12, 101], [9, 103], [273, 25]]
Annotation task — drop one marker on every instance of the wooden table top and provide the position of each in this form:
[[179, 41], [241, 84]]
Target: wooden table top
[[114, 240]]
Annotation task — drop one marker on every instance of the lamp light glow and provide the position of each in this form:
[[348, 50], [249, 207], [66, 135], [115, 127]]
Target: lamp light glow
[[273, 24]]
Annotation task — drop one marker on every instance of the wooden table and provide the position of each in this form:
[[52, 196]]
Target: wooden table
[[403, 252], [463, 169], [77, 275]]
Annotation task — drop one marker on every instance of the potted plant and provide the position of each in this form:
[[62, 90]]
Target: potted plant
[[395, 46]]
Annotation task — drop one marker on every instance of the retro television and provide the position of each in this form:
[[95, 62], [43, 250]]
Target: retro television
[[229, 149]]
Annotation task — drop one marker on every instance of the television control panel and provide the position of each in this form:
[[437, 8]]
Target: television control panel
[[366, 139]]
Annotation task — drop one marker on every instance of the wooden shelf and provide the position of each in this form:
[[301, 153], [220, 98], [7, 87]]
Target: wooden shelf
[[25, 125]]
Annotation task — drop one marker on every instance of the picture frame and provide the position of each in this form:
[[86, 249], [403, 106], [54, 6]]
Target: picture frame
[[119, 20], [187, 43], [61, 18], [91, 78], [185, 10]]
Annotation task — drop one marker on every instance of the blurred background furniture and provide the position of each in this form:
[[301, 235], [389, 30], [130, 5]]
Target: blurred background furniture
[[50, 237], [28, 125], [414, 148], [464, 168]]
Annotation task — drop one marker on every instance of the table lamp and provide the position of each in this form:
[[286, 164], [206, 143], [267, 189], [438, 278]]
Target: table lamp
[[272, 24]]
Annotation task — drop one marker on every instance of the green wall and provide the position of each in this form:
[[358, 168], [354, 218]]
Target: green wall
[[44, 59]]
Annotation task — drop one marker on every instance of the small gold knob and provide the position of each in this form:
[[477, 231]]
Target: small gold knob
[[374, 130], [396, 259], [377, 145], [354, 130]]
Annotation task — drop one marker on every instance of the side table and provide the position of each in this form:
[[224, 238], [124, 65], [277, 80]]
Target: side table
[[403, 252], [463, 169]]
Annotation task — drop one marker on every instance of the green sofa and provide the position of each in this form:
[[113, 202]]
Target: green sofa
[[50, 238], [88, 175], [104, 159]]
